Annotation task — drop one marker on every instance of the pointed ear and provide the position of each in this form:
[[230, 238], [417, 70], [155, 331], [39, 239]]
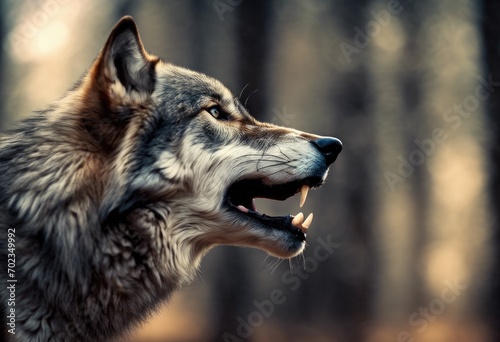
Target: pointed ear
[[124, 65]]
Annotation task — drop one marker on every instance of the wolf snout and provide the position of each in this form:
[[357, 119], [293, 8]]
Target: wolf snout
[[329, 147]]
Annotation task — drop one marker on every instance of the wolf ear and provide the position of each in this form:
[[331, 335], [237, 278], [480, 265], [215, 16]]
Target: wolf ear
[[124, 63]]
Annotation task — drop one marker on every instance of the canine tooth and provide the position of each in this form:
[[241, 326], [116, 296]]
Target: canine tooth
[[308, 221], [298, 219], [242, 208], [303, 194]]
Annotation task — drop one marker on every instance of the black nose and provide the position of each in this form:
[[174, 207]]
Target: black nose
[[329, 147]]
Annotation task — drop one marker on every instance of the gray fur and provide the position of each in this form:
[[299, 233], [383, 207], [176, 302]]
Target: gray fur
[[117, 191]]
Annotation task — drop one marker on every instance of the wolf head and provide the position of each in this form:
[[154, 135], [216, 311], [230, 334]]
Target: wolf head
[[180, 138], [126, 181]]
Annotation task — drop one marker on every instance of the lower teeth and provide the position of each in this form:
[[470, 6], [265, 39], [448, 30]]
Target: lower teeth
[[298, 221]]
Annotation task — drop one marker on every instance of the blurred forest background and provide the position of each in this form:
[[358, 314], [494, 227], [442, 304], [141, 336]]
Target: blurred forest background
[[409, 218]]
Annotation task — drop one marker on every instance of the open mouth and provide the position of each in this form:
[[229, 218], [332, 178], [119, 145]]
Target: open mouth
[[240, 197]]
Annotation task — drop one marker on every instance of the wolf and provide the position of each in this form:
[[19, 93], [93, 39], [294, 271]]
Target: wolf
[[111, 196]]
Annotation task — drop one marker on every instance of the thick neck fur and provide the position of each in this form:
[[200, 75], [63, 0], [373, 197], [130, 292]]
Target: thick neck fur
[[54, 180]]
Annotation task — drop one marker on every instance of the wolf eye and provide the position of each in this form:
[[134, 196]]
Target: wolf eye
[[215, 112]]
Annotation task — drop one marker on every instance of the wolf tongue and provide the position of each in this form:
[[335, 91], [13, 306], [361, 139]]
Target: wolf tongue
[[242, 208]]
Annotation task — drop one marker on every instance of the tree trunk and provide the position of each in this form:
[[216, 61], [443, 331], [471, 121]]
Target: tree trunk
[[491, 55]]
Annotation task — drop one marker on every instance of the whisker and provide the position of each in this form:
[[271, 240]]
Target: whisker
[[263, 261], [242, 90], [276, 162], [272, 165], [281, 170], [248, 98], [272, 264], [279, 148], [277, 265], [265, 160], [260, 156], [254, 158], [257, 158]]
